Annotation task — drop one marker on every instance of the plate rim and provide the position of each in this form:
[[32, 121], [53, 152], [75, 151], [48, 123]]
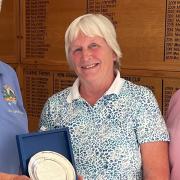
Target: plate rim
[[53, 155]]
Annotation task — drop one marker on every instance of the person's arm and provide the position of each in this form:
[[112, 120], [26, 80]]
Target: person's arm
[[155, 160], [4, 176], [173, 124]]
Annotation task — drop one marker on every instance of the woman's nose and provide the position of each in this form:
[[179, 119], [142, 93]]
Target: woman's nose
[[86, 54]]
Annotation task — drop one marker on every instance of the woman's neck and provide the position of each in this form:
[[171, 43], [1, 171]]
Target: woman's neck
[[92, 92]]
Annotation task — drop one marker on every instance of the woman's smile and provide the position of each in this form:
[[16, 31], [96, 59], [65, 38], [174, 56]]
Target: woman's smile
[[90, 66]]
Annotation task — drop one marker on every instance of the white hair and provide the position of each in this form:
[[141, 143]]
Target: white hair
[[93, 25], [0, 4]]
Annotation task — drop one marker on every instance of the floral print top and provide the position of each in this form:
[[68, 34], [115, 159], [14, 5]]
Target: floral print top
[[106, 137]]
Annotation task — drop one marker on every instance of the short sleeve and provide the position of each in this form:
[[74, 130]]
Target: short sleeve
[[150, 125]]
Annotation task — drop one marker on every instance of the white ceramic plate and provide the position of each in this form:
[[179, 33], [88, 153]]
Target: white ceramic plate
[[49, 165]]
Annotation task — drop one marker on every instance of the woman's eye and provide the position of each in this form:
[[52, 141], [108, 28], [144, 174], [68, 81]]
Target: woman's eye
[[77, 50], [93, 45]]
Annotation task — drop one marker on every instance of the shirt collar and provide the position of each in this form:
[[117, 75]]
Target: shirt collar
[[74, 92], [114, 88]]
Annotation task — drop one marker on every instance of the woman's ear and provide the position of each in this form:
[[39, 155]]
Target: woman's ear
[[114, 57]]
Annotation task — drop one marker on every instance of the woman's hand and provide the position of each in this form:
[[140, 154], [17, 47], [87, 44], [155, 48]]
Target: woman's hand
[[20, 177], [5, 176], [80, 178]]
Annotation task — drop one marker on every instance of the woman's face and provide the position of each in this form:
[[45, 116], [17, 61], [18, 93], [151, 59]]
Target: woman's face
[[91, 58]]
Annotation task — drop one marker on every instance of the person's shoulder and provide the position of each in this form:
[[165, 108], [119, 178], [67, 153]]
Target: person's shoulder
[[5, 68], [175, 99], [176, 95], [178, 91], [139, 93], [60, 96], [137, 89]]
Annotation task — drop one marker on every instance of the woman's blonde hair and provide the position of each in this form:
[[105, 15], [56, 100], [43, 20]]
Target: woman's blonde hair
[[93, 25]]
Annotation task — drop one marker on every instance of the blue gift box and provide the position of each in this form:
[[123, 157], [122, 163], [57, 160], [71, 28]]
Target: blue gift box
[[57, 140]]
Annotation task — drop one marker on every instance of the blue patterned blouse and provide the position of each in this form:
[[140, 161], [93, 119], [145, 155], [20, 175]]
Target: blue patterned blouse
[[106, 137]]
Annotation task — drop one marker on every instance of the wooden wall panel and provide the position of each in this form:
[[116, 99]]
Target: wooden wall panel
[[170, 86], [63, 80], [141, 33], [41, 82], [172, 36], [9, 31], [38, 87], [43, 27], [32, 41]]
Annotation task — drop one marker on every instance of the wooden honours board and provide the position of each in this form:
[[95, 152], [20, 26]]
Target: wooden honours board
[[40, 84], [172, 33], [43, 26], [170, 86], [9, 31], [32, 40]]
